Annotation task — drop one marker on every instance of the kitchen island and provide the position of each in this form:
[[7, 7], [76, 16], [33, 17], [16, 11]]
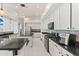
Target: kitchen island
[[14, 44]]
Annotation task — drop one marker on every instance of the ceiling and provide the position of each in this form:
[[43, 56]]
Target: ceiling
[[32, 10]]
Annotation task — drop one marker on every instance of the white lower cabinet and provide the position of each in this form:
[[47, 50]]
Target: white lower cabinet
[[6, 53], [51, 48], [21, 52], [65, 53], [57, 50]]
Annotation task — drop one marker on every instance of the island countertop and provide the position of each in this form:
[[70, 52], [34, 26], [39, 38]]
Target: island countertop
[[5, 33]]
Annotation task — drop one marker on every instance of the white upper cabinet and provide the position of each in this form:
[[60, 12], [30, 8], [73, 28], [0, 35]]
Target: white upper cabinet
[[51, 16], [75, 16], [60, 14], [64, 16], [56, 18]]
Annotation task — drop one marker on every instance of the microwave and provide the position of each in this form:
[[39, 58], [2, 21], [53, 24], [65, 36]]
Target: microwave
[[51, 25]]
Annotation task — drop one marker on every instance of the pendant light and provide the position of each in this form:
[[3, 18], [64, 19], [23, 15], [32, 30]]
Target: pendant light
[[1, 10]]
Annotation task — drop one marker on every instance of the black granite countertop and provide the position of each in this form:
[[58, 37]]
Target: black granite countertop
[[5, 33], [15, 44], [73, 50], [61, 31]]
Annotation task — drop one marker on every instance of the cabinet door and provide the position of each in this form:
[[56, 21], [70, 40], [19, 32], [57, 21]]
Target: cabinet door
[[51, 50], [51, 47], [54, 49], [64, 16], [56, 18], [66, 53], [75, 16], [57, 50], [6, 53], [22, 51]]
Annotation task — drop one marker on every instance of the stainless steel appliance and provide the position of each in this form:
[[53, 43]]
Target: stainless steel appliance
[[25, 30], [64, 39], [72, 40], [68, 39]]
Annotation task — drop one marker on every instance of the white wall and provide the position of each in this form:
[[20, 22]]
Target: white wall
[[34, 23]]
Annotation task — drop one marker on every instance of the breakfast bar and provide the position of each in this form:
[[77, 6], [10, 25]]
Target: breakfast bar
[[14, 44]]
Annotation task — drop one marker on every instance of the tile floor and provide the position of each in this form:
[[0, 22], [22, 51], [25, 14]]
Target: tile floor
[[38, 49]]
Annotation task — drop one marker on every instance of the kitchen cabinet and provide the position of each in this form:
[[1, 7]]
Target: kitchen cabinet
[[56, 18], [68, 16], [75, 16], [64, 16], [57, 50], [65, 53], [22, 51], [5, 53], [61, 17], [51, 48], [54, 49]]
